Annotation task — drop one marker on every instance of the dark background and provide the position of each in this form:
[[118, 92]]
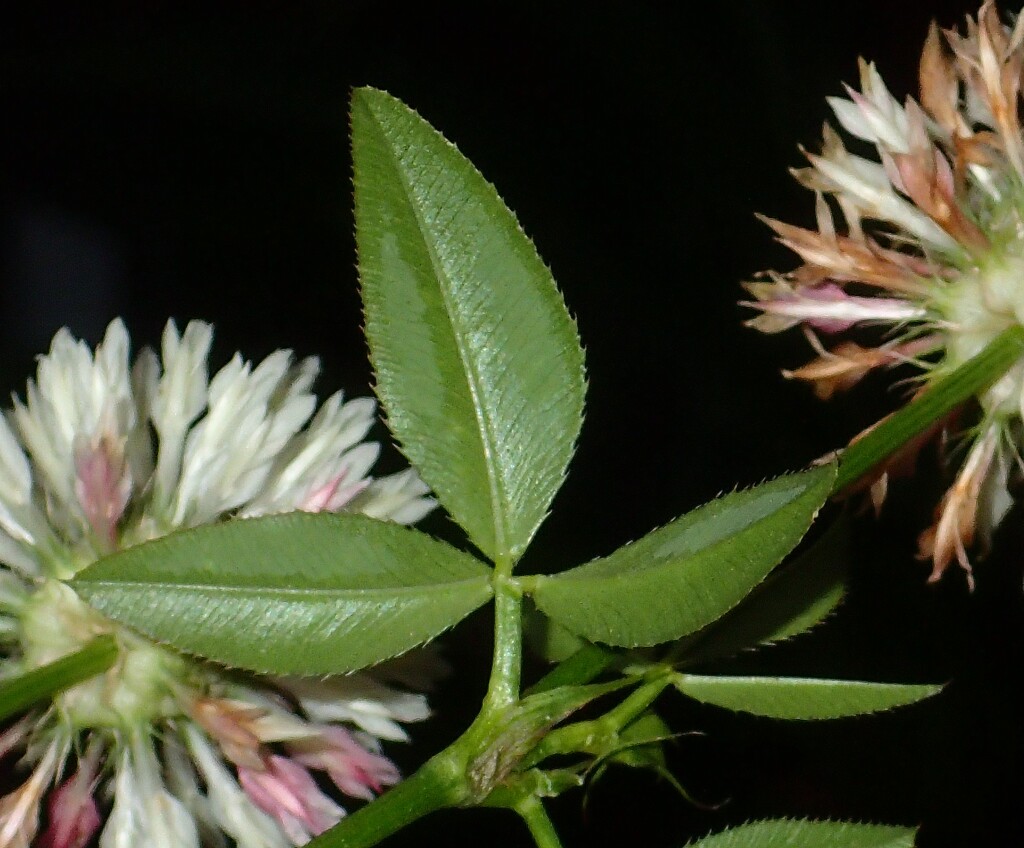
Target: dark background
[[191, 160]]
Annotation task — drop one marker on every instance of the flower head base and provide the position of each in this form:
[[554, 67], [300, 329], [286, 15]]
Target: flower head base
[[102, 455], [924, 236]]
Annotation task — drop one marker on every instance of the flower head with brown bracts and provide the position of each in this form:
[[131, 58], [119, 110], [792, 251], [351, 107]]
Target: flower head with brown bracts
[[164, 751], [923, 235]]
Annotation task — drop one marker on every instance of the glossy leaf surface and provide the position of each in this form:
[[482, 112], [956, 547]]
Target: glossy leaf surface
[[290, 594], [791, 601], [689, 573], [478, 363]]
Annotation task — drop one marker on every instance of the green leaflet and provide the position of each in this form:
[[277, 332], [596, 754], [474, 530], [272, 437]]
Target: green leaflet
[[290, 594], [19, 693], [800, 833], [791, 601], [478, 363], [579, 668], [800, 698], [689, 573]]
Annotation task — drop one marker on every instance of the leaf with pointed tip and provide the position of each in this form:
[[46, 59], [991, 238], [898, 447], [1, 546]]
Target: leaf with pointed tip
[[681, 577], [290, 594], [478, 363], [801, 698], [794, 599], [801, 833]]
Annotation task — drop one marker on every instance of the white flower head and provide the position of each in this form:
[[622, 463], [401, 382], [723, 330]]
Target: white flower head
[[104, 453]]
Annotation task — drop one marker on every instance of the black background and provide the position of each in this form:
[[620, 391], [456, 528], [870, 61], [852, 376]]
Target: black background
[[191, 160]]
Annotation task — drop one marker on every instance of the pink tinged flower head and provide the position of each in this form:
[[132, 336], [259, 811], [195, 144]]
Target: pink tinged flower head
[[825, 307], [920, 233], [233, 726], [355, 770], [103, 486], [104, 454], [19, 810], [74, 816], [287, 792]]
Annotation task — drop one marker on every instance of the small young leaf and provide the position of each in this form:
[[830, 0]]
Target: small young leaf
[[521, 726], [639, 746], [687, 574], [478, 363], [800, 698], [791, 601], [800, 833], [19, 693], [290, 594]]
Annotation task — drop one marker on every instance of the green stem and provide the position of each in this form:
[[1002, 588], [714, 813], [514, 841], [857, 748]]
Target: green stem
[[506, 665], [596, 736], [442, 781], [971, 378], [437, 784], [536, 818], [49, 680]]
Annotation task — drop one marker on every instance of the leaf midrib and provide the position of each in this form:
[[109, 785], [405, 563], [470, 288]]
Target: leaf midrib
[[472, 378], [266, 591], [661, 565]]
